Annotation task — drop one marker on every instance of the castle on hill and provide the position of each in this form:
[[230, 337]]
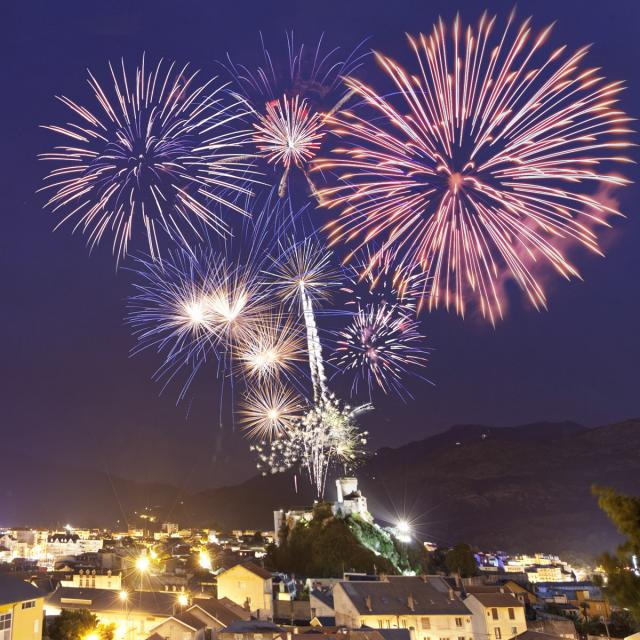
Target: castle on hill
[[349, 502]]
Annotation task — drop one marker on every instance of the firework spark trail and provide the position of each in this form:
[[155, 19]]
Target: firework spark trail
[[159, 154], [480, 167]]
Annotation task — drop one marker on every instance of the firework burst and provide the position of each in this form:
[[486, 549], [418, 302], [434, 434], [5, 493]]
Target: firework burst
[[479, 173], [304, 267], [288, 133], [191, 307], [158, 153], [290, 105], [272, 348], [269, 412], [382, 345]]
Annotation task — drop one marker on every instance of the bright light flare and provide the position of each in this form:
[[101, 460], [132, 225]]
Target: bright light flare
[[142, 563]]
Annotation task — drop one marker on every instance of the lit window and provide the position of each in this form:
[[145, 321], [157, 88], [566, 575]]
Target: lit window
[[5, 626]]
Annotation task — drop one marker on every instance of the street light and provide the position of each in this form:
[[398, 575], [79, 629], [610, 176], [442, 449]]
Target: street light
[[123, 596], [403, 531], [183, 599], [142, 564]]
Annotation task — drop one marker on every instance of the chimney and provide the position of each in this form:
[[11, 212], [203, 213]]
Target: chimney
[[411, 603], [424, 578], [457, 579], [368, 603], [451, 594]]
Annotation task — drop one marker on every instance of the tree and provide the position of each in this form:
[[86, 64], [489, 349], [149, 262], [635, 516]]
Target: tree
[[77, 624], [461, 560], [623, 585]]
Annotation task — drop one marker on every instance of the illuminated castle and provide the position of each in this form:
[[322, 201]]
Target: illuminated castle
[[350, 500]]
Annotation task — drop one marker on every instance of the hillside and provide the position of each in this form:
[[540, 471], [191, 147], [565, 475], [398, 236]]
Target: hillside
[[522, 488]]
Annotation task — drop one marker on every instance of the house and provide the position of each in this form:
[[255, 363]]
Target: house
[[134, 615], [198, 620], [321, 603], [253, 630], [249, 586], [524, 595], [183, 626], [555, 626], [496, 616], [427, 606], [20, 609]]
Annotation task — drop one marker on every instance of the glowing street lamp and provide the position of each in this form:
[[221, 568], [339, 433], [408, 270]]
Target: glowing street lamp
[[183, 599], [204, 560], [403, 531], [124, 596], [142, 563]]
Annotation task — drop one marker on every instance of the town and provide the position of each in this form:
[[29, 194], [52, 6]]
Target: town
[[163, 582]]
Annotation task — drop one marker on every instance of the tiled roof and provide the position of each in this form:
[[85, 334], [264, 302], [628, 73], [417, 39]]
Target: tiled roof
[[159, 603], [256, 569], [16, 590], [404, 596], [218, 610], [497, 599]]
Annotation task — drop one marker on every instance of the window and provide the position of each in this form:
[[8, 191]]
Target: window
[[425, 623], [380, 624], [458, 622], [403, 623], [512, 613], [29, 604], [5, 626], [514, 631], [498, 633], [494, 614]]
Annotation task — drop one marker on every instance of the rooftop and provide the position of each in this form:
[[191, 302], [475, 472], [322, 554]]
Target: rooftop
[[404, 595], [16, 590]]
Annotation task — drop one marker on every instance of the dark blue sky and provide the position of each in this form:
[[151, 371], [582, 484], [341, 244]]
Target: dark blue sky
[[69, 388]]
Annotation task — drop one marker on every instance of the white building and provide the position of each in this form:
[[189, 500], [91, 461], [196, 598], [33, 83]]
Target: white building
[[427, 606], [496, 615]]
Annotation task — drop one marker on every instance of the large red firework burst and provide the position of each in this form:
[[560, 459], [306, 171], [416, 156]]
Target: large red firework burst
[[476, 166]]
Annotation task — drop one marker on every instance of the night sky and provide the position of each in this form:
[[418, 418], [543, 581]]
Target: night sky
[[69, 388]]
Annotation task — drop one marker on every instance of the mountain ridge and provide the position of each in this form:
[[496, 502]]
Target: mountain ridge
[[498, 487]]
